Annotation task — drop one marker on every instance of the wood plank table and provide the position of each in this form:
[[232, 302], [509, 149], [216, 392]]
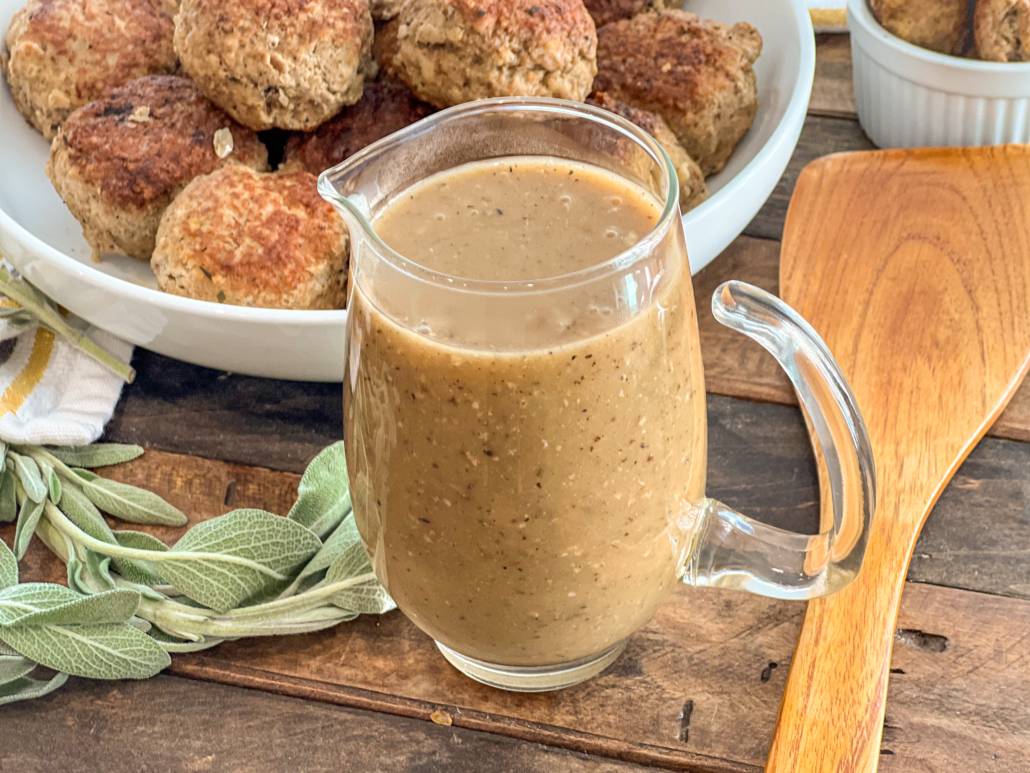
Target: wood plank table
[[697, 689]]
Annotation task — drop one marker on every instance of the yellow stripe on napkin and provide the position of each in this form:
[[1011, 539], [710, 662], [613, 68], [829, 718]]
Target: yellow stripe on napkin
[[30, 376]]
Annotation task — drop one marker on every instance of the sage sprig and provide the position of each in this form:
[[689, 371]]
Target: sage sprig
[[131, 599], [37, 308]]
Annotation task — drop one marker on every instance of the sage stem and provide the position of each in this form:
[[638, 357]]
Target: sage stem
[[60, 520], [52, 320]]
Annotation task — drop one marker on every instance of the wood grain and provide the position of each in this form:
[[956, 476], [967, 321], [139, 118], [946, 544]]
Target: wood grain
[[713, 651], [912, 266], [186, 409], [819, 137], [833, 92], [958, 705], [169, 724], [696, 690]]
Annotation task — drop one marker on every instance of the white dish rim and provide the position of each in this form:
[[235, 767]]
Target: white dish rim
[[787, 130], [861, 13]]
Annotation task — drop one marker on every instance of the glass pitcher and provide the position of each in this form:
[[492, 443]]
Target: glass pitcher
[[527, 458]]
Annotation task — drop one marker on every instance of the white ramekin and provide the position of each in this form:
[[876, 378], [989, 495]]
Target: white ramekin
[[909, 97]]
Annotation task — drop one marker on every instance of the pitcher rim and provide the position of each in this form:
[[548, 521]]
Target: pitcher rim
[[558, 107]]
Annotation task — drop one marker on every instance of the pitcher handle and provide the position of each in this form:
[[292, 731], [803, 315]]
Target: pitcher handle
[[733, 551]]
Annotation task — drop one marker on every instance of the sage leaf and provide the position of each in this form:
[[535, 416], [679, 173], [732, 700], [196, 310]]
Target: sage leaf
[[8, 495], [278, 546], [85, 515], [75, 569], [14, 667], [96, 455], [139, 540], [175, 644], [133, 570], [353, 562], [366, 598], [127, 502], [28, 473], [339, 542], [49, 476], [269, 591], [138, 572], [28, 520], [324, 492], [37, 603], [107, 651], [55, 486], [8, 567], [25, 688], [78, 574], [99, 568]]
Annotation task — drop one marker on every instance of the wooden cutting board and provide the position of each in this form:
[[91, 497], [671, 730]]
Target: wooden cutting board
[[914, 266]]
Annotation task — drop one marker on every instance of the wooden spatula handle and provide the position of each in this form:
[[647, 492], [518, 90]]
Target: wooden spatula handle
[[831, 718]]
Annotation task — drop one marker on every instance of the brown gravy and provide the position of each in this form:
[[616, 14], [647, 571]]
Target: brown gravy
[[529, 506]]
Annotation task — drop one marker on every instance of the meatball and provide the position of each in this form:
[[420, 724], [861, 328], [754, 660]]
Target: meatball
[[940, 25], [119, 161], [387, 106], [1002, 30], [245, 238], [693, 190], [290, 64], [694, 73], [607, 11], [454, 51], [63, 54]]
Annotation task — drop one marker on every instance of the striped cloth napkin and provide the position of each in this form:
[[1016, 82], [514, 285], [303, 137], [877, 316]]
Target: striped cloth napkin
[[51, 392], [828, 15]]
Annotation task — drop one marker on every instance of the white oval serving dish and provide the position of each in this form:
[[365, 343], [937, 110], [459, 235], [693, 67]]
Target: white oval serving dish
[[42, 239], [910, 97]]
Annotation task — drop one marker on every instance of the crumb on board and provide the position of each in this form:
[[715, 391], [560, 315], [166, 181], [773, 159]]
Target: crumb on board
[[441, 718]]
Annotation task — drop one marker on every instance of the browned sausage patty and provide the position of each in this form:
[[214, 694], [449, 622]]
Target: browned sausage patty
[[291, 64], [63, 54], [606, 11], [245, 238], [119, 161], [693, 190], [387, 106], [939, 25], [454, 51], [694, 73], [1002, 30]]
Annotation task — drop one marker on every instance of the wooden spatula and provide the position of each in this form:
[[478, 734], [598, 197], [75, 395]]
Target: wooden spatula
[[914, 266]]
